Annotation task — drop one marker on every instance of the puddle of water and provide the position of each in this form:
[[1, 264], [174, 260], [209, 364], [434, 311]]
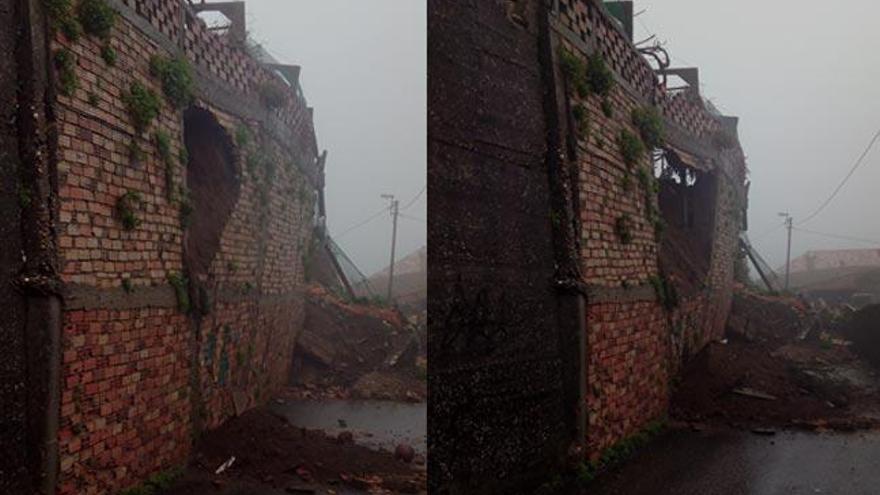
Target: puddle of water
[[380, 425]]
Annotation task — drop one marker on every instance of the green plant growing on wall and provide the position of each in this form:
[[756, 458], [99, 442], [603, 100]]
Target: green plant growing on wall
[[65, 63], [581, 118], [176, 77], [108, 53], [626, 182], [186, 207], [242, 136], [179, 283], [96, 17], [623, 228], [574, 70], [659, 227], [183, 156], [25, 199], [646, 180], [667, 294], [607, 108], [650, 125], [127, 286], [142, 104], [631, 147], [93, 99], [163, 145], [126, 207], [60, 14], [599, 77], [135, 152]]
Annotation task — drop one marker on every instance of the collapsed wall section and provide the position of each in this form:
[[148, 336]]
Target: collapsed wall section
[[181, 240]]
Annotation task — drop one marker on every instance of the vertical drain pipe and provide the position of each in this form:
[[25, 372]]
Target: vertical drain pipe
[[38, 280]]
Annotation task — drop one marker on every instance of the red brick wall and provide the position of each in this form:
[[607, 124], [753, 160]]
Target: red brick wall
[[635, 345], [130, 398]]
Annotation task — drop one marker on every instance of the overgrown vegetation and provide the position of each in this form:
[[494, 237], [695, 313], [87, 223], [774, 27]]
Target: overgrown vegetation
[[600, 79], [186, 206], [163, 146], [156, 484], [176, 77], [135, 152], [574, 70], [127, 207], [607, 108], [93, 99], [25, 199], [180, 285], [623, 228], [96, 17], [650, 125], [127, 286], [584, 473], [581, 118], [65, 63], [60, 13], [667, 294], [108, 53], [631, 147], [142, 104]]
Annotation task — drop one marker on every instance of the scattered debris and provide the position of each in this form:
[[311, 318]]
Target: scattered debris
[[226, 465], [767, 375], [750, 392], [357, 350], [271, 456]]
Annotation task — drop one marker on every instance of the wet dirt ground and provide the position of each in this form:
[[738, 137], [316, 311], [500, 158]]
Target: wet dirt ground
[[379, 425], [736, 462], [320, 447]]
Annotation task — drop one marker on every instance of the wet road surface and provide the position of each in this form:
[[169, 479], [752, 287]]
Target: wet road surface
[[380, 425], [737, 462]]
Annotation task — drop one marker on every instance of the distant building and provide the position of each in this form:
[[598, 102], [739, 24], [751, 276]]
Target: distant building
[[839, 275]]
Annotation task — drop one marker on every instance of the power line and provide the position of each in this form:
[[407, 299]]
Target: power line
[[362, 223], [413, 218], [837, 236], [844, 181], [416, 198], [768, 232]]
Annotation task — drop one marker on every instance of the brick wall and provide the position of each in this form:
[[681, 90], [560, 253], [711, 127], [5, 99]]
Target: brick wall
[[533, 293], [139, 377], [634, 344]]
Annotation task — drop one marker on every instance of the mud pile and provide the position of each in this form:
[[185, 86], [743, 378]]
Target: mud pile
[[272, 456], [357, 350], [779, 366]]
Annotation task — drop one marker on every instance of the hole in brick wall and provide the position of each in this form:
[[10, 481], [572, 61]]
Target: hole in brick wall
[[687, 206], [214, 187]]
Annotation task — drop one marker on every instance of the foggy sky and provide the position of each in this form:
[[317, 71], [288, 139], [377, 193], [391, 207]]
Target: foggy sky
[[804, 79], [364, 72]]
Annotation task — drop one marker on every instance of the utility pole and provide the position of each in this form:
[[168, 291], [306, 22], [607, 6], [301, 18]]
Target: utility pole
[[788, 226], [394, 211]]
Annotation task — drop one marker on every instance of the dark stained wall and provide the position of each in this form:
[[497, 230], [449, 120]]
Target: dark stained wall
[[497, 406], [13, 401]]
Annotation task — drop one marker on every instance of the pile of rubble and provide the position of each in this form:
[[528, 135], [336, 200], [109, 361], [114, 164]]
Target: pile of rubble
[[352, 350], [782, 364]]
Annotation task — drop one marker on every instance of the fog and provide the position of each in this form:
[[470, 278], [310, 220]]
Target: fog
[[364, 72], [803, 78]]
